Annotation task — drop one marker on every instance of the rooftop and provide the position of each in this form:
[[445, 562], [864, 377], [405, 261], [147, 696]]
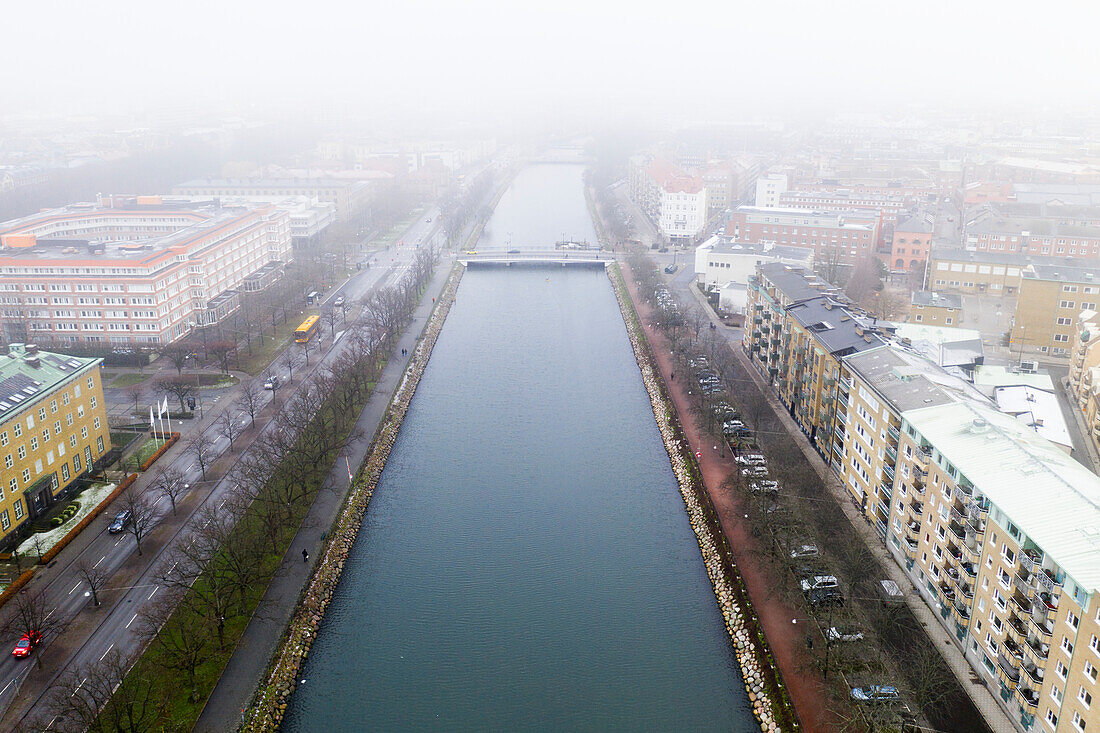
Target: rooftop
[[1036, 408], [1033, 227], [908, 380], [1053, 499], [721, 244], [920, 223], [267, 183], [833, 326], [796, 283], [938, 300], [1062, 274], [27, 373], [1019, 259]]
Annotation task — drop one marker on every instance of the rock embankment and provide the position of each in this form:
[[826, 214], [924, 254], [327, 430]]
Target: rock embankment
[[752, 654], [269, 705]]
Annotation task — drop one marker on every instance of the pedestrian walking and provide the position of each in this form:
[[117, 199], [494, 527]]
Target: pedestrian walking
[[305, 555]]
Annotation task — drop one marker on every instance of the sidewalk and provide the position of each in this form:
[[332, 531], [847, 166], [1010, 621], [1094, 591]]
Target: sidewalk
[[785, 639], [243, 673], [994, 715]]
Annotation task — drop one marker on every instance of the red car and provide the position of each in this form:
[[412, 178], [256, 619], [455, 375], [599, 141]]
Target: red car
[[26, 644]]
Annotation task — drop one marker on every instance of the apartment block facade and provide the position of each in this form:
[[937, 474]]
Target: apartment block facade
[[1050, 301], [134, 270], [53, 427], [843, 238], [1034, 237]]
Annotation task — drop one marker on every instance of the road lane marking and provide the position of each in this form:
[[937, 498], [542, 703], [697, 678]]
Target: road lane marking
[[6, 688], [153, 593], [79, 686], [74, 588], [106, 652], [119, 540], [98, 562], [131, 621], [50, 614]]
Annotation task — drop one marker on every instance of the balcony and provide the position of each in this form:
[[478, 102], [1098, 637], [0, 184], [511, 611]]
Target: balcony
[[1029, 698], [1010, 669], [1042, 630], [1016, 630], [918, 486], [888, 471], [962, 611], [912, 546], [1038, 650], [842, 398], [1022, 581], [916, 509], [957, 530], [1015, 652], [1034, 672], [1022, 603], [971, 569], [894, 432], [891, 453]]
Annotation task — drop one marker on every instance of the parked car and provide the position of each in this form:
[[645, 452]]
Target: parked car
[[754, 471], [671, 269], [26, 644], [120, 522], [752, 459], [843, 633], [875, 693], [769, 487], [804, 551], [819, 582]]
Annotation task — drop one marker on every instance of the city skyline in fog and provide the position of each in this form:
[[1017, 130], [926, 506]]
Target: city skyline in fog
[[490, 60]]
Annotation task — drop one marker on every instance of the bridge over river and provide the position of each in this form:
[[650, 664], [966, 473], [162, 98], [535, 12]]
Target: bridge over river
[[540, 257]]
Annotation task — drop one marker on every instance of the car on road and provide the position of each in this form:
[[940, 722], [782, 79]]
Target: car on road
[[843, 633], [120, 522], [26, 644], [513, 251], [471, 251], [339, 301], [875, 693], [671, 269], [428, 220], [272, 383], [804, 551]]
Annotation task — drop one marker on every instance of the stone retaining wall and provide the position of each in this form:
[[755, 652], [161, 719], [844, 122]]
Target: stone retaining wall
[[761, 679], [269, 706]]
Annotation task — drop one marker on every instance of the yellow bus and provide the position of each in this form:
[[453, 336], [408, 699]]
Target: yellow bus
[[305, 332]]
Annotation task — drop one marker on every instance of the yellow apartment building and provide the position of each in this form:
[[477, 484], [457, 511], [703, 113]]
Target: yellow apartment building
[[999, 530], [1050, 301], [53, 427], [935, 309]]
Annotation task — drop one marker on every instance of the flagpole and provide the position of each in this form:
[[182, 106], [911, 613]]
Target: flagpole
[[168, 412], [152, 425]]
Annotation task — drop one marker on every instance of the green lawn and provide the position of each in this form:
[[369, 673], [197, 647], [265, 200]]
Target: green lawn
[[129, 379], [146, 449]]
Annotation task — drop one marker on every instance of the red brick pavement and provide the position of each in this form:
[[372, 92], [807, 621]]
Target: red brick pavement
[[787, 640]]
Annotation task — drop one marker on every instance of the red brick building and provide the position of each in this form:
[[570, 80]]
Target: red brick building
[[911, 244], [846, 238]]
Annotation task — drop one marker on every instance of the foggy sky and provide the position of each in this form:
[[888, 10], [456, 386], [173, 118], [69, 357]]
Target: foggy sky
[[514, 58]]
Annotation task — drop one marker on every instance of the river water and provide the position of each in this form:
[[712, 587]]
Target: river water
[[526, 562]]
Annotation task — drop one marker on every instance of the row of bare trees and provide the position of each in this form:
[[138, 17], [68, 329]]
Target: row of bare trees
[[458, 210], [210, 579], [804, 512]]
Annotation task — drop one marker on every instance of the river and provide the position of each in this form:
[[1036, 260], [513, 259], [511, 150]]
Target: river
[[526, 562]]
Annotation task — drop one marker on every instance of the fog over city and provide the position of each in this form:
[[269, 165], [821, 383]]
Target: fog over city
[[435, 365], [490, 60]]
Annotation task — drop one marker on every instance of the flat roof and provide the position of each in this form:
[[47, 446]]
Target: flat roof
[[1015, 259], [840, 331], [1036, 408], [939, 300], [26, 377], [267, 183], [797, 283], [719, 244], [908, 380], [1062, 274], [1053, 499]]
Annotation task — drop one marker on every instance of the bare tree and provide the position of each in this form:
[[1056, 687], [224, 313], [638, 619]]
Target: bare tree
[[292, 361], [177, 353], [229, 427], [331, 316], [223, 351], [142, 510], [134, 392], [169, 483], [103, 697], [251, 400], [30, 614], [94, 576], [182, 641], [200, 447], [178, 387]]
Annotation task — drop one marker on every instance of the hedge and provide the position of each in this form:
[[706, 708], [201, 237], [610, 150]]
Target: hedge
[[172, 438], [83, 523], [12, 589]]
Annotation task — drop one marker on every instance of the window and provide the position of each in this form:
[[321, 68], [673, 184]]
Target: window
[[95, 423], [64, 471], [1084, 696], [84, 432], [17, 429], [53, 406], [5, 520], [1078, 722], [76, 463], [1052, 718], [42, 413], [57, 427], [8, 462], [46, 435], [1090, 671], [1072, 619], [4, 438], [69, 419], [1059, 668], [22, 450], [1067, 645], [99, 443], [34, 443], [94, 402], [18, 508]]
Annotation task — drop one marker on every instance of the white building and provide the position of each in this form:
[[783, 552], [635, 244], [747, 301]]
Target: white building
[[769, 188], [674, 200], [721, 260]]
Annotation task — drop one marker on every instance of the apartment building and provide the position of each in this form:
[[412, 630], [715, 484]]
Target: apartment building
[[967, 271], [1044, 237], [351, 198], [1084, 371], [798, 329], [721, 260], [769, 188], [133, 270], [1050, 301], [673, 199], [53, 427], [997, 528], [876, 387], [888, 209], [935, 309], [911, 243], [843, 238]]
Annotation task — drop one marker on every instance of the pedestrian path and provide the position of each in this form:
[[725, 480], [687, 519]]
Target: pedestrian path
[[242, 674]]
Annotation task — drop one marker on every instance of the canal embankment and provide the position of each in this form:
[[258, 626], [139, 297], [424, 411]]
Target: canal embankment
[[773, 615], [269, 705], [770, 702]]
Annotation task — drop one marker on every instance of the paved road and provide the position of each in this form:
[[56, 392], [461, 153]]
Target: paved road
[[89, 642]]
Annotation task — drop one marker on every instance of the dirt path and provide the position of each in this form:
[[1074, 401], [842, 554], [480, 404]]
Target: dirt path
[[787, 640]]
